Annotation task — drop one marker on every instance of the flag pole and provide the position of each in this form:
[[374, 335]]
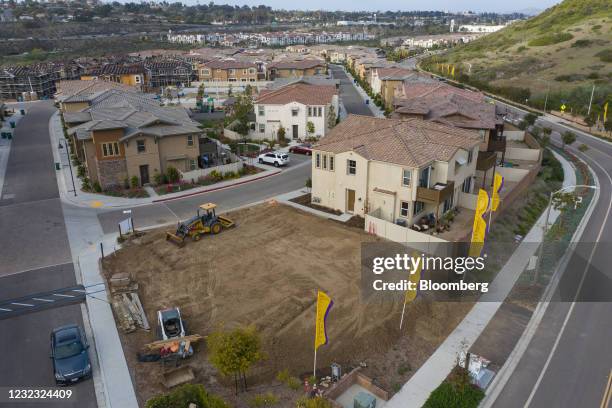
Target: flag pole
[[314, 370], [402, 319]]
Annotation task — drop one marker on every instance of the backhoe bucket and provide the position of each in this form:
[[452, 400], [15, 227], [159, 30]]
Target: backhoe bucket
[[226, 222], [180, 241]]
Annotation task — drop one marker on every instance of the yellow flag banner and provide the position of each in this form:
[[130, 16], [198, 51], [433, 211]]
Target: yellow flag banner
[[324, 304], [606, 112], [414, 278], [480, 225], [453, 71], [498, 184]]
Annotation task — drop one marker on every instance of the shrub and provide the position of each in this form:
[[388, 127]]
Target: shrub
[[85, 184], [283, 376], [185, 394], [230, 175], [159, 178], [81, 171], [456, 391], [264, 400], [521, 48], [583, 147], [582, 43], [97, 187], [317, 402], [605, 55], [215, 175], [550, 39], [134, 182], [173, 175], [294, 383]]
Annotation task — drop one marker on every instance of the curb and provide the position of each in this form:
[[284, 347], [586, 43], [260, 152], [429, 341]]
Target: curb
[[161, 200], [506, 371]]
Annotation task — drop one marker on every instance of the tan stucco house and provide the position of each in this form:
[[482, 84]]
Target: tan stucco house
[[396, 169]]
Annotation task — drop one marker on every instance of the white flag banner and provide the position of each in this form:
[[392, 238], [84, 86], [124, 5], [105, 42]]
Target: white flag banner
[[126, 226]]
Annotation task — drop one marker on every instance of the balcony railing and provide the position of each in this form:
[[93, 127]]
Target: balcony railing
[[497, 144], [436, 194], [486, 160]]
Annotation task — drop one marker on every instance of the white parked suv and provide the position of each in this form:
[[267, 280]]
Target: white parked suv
[[275, 158]]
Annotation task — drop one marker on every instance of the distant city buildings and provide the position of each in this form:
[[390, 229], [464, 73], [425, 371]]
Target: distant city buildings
[[473, 28]]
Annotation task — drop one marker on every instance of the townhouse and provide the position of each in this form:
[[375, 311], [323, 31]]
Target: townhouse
[[293, 107], [228, 70], [128, 134], [77, 95], [400, 170], [296, 68], [388, 81], [448, 105]]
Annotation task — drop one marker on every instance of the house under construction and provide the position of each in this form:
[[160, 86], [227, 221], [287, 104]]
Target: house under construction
[[34, 81]]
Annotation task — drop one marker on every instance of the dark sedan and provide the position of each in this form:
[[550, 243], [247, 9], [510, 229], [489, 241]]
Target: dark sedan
[[69, 354], [304, 148]]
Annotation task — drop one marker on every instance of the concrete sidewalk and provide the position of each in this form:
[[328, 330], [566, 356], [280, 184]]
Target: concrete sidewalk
[[435, 370], [92, 200], [5, 144]]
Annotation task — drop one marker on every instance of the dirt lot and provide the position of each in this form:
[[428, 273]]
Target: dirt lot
[[266, 272]]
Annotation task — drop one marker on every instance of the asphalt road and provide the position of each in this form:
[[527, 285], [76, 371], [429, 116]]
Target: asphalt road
[[169, 212], [352, 100], [568, 361], [35, 257]]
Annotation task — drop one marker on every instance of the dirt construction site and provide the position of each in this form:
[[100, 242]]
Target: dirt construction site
[[265, 271]]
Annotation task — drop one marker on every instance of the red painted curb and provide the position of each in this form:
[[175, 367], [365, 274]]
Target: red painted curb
[[161, 200]]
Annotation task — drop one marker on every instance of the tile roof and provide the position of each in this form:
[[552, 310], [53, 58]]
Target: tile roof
[[229, 64], [301, 92], [412, 142], [449, 105], [297, 64], [81, 91]]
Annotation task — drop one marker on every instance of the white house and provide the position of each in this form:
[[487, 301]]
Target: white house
[[394, 169], [293, 107]]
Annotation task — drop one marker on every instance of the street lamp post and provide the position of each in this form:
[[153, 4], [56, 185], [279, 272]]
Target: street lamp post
[[69, 164], [545, 227]]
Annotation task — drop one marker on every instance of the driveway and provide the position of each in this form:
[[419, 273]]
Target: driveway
[[35, 257]]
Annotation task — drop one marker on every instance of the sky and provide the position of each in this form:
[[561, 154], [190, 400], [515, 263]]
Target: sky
[[405, 5]]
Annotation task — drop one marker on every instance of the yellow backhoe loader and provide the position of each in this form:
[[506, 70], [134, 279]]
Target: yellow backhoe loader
[[205, 222]]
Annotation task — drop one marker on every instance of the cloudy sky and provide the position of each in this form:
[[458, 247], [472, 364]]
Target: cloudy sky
[[451, 5]]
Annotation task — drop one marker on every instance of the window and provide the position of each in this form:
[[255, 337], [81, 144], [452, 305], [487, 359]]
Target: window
[[192, 164], [319, 111], [404, 209], [137, 79], [110, 149], [189, 140], [466, 187], [140, 146], [262, 128], [351, 167], [232, 72], [470, 156], [294, 112], [205, 71], [318, 160], [406, 175], [325, 162], [482, 134], [244, 71], [262, 110], [331, 163], [309, 111], [419, 206], [252, 71]]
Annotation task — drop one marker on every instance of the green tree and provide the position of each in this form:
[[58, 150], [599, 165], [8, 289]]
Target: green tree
[[233, 353], [310, 127], [589, 122], [186, 394], [547, 131], [173, 175], [564, 201], [530, 118], [281, 135], [331, 117], [608, 125], [568, 138], [243, 109], [545, 141]]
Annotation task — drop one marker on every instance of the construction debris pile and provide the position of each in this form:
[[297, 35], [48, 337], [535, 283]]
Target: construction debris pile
[[126, 303]]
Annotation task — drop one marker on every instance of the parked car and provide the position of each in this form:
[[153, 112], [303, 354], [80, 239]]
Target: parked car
[[69, 354], [304, 148], [275, 158]]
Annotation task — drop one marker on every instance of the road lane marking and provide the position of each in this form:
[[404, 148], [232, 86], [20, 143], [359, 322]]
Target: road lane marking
[[571, 309], [35, 269], [59, 294], [22, 304], [43, 300]]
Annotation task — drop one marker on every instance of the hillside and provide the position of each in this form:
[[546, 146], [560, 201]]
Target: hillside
[[567, 48]]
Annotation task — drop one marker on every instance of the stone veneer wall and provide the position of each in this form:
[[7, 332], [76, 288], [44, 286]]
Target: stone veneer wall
[[111, 172]]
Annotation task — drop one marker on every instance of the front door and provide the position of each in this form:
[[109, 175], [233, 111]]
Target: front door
[[295, 131], [350, 201], [144, 174]]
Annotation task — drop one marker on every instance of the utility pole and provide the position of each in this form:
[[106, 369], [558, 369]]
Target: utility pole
[[591, 101]]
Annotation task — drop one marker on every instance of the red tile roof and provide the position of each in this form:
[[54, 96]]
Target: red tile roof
[[306, 94]]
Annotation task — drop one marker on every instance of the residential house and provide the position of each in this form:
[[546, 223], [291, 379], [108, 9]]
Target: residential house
[[387, 81], [227, 70], [397, 169], [77, 95], [117, 143], [460, 108], [132, 74], [293, 107], [296, 69]]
